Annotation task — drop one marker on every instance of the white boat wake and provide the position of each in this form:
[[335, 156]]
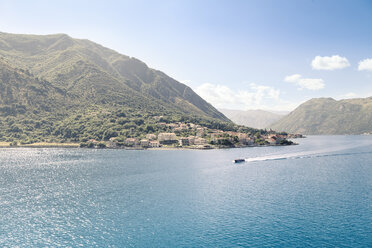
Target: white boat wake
[[306, 154]]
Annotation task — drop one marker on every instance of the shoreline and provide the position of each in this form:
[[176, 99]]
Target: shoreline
[[77, 146], [40, 145]]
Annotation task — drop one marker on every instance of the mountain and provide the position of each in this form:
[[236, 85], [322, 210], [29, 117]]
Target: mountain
[[252, 118], [52, 85], [85, 69], [328, 116]]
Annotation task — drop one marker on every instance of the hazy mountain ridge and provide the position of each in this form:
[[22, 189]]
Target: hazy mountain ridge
[[328, 116], [252, 118]]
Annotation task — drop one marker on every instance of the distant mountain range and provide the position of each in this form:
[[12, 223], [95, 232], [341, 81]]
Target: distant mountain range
[[328, 116], [253, 118], [57, 86]]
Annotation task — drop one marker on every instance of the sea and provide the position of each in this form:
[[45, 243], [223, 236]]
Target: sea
[[315, 194]]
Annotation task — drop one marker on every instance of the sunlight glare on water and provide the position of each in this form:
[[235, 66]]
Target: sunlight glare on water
[[315, 194]]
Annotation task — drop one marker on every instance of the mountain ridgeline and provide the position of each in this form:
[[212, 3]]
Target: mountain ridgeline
[[71, 89], [328, 116], [252, 118]]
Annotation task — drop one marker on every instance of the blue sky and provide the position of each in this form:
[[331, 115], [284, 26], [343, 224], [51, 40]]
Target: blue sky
[[235, 54]]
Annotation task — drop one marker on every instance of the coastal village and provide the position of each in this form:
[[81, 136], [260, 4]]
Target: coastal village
[[193, 136]]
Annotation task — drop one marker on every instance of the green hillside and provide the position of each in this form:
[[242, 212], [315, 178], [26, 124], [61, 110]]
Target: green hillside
[[328, 116], [54, 87]]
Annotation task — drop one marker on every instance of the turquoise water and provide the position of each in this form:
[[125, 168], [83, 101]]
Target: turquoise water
[[317, 194]]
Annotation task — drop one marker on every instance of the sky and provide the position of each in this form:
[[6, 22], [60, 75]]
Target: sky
[[264, 54]]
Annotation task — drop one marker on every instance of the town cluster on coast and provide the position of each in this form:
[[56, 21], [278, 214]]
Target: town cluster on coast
[[194, 136]]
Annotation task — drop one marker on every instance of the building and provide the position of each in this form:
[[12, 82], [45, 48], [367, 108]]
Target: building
[[215, 135], [167, 138], [131, 142], [144, 142], [183, 126], [184, 141], [200, 141], [151, 136], [154, 144], [199, 131], [191, 140]]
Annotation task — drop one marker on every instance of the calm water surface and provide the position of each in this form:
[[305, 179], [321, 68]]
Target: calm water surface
[[317, 194]]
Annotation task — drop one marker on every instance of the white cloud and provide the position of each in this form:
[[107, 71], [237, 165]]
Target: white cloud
[[311, 83], [365, 65], [305, 83], [329, 63], [221, 96], [293, 78]]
